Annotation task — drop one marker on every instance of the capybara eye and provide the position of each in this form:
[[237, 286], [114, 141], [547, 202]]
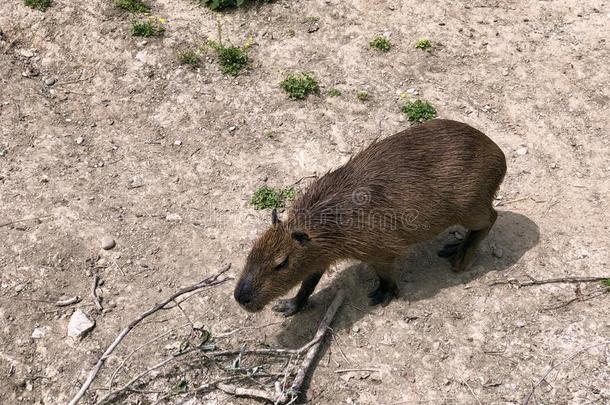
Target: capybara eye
[[283, 264]]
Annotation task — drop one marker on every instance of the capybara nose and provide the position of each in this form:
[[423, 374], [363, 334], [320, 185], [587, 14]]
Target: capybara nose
[[243, 293]]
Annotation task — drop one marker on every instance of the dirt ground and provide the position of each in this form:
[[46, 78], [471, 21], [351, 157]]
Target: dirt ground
[[163, 158]]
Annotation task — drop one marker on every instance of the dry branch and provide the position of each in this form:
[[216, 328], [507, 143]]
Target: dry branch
[[207, 282], [96, 299], [312, 349], [533, 281], [553, 367]]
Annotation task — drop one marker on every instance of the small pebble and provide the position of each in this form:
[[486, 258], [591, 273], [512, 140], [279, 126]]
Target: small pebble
[[49, 81], [522, 151], [80, 140], [497, 252], [355, 329], [39, 332], [19, 287], [173, 218], [520, 323], [233, 128], [107, 243], [178, 142]]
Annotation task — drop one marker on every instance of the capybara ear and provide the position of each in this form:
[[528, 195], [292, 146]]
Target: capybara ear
[[300, 237], [274, 219]]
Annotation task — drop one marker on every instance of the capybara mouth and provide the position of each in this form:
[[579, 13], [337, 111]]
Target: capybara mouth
[[252, 307]]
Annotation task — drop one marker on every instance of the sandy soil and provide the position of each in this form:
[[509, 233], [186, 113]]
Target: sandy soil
[[95, 154]]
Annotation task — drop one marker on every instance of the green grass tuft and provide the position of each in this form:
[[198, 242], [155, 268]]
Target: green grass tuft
[[381, 43], [423, 44], [40, 5], [606, 282], [362, 95], [189, 57], [300, 85], [149, 28], [232, 59], [419, 110], [268, 197], [333, 92], [221, 4], [133, 6]]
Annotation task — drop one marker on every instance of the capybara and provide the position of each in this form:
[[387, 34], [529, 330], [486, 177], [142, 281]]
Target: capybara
[[401, 190]]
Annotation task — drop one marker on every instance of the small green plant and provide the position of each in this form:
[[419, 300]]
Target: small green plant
[[268, 134], [300, 85], [423, 44], [41, 5], [181, 387], [268, 197], [419, 110], [312, 19], [606, 282], [381, 43], [221, 4], [189, 57], [333, 92], [133, 6], [362, 95], [149, 28], [232, 59]]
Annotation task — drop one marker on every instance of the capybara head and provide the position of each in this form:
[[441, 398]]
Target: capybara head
[[275, 264]]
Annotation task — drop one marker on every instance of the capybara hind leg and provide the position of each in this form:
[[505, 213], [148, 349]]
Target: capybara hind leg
[[463, 257], [387, 288], [291, 306]]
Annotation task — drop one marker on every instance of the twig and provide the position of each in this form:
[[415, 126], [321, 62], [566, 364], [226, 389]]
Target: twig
[[24, 220], [471, 391], [96, 299], [68, 301], [297, 384], [247, 392], [209, 281], [349, 370], [533, 281], [311, 176], [546, 374], [579, 298], [234, 331], [113, 376]]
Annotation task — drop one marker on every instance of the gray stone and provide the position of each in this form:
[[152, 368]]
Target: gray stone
[[107, 243], [79, 324], [40, 332]]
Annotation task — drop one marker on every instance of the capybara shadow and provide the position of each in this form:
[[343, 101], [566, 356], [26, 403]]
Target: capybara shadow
[[422, 275]]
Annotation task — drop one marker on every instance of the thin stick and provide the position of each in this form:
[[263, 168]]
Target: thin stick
[[246, 392], [113, 376], [349, 370], [209, 281], [295, 389], [550, 281], [68, 301], [96, 299], [24, 220], [546, 374]]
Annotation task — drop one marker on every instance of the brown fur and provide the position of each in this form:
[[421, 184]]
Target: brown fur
[[401, 190]]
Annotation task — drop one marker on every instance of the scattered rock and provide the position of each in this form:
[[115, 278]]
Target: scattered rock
[[198, 325], [19, 287], [49, 81], [413, 91], [79, 324], [26, 53], [522, 151], [232, 128], [177, 142], [107, 243], [520, 323], [40, 332], [355, 329], [497, 251], [172, 217], [80, 140]]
